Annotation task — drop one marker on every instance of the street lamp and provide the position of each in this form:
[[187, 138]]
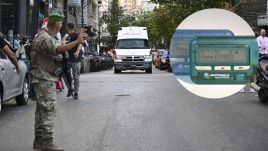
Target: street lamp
[[99, 24]]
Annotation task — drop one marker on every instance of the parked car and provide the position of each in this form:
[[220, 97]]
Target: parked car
[[106, 62], [12, 84], [95, 62], [162, 59]]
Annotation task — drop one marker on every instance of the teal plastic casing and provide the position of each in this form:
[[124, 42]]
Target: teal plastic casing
[[223, 60]]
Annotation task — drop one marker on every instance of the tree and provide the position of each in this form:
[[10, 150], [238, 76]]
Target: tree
[[114, 19], [163, 21], [193, 3]]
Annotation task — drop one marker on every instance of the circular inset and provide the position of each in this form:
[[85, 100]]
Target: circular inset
[[211, 23]]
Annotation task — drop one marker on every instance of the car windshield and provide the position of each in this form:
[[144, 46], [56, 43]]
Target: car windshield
[[132, 44]]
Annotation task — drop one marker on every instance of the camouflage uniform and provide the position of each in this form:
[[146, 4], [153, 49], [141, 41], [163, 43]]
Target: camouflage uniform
[[44, 47]]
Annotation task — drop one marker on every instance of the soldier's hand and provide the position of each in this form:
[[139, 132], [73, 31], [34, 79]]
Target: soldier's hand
[[82, 36]]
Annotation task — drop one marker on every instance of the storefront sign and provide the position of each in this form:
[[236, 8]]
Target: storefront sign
[[262, 20], [75, 3]]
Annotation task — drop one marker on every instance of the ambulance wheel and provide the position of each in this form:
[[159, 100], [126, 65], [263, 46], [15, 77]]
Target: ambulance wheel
[[149, 70]]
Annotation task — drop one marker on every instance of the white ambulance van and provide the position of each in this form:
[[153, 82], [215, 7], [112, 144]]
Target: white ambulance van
[[132, 50]]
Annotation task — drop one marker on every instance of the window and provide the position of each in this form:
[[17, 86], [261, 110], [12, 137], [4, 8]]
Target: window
[[133, 44]]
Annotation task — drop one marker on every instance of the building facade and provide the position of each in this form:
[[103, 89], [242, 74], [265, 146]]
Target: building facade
[[145, 6], [130, 7], [13, 18], [105, 36], [25, 17], [85, 14], [254, 12]]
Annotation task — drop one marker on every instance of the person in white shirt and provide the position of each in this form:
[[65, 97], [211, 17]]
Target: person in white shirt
[[262, 43], [263, 51]]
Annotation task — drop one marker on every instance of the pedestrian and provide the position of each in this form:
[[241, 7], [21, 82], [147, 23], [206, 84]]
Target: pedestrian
[[263, 51], [17, 42], [262, 43], [67, 72], [4, 47], [45, 62], [24, 44], [75, 58]]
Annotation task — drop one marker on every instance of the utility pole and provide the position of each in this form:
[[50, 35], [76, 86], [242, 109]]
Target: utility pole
[[65, 8], [82, 11], [35, 18], [99, 24], [99, 4]]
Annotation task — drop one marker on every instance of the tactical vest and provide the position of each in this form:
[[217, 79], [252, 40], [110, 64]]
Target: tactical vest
[[50, 63]]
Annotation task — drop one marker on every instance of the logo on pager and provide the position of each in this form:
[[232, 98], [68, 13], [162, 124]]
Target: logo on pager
[[206, 75]]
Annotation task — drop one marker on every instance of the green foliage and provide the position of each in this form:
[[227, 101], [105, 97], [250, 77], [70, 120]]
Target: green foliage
[[193, 3], [115, 19], [163, 21]]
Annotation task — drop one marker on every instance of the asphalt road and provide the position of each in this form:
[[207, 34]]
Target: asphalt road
[[135, 111]]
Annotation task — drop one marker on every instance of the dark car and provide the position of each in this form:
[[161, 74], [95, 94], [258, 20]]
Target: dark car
[[162, 60], [106, 62], [95, 62]]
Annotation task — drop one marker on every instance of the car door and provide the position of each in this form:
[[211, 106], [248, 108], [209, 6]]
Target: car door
[[9, 77]]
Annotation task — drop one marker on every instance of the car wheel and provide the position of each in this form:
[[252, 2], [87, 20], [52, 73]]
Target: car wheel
[[262, 96], [149, 70], [22, 99]]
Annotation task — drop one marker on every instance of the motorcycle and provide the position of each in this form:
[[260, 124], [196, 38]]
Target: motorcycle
[[169, 68], [261, 85]]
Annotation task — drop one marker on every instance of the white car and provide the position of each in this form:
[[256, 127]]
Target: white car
[[12, 84]]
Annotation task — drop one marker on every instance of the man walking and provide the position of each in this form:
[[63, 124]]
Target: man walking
[[45, 54], [17, 42], [75, 57], [262, 43]]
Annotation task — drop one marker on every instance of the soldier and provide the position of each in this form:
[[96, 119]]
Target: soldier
[[45, 62]]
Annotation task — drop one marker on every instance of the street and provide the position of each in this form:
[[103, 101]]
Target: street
[[135, 111]]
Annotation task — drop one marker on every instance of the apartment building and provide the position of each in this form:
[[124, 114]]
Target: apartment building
[[104, 36], [130, 7], [254, 12], [145, 6]]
